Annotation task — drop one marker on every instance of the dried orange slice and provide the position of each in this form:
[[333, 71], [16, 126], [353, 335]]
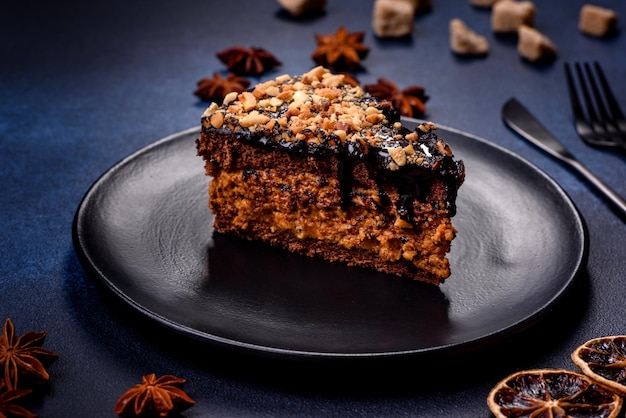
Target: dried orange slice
[[604, 360], [554, 393]]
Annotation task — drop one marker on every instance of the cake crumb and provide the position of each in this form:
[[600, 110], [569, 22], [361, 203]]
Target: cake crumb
[[393, 18], [465, 41], [535, 46], [508, 15], [597, 21]]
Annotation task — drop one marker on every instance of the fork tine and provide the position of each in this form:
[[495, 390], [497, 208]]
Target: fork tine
[[604, 118], [591, 111], [584, 127], [618, 116], [571, 88]]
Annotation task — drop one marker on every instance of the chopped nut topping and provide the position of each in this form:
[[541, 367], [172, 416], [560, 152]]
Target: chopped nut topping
[[412, 136], [253, 118], [230, 97], [398, 155], [320, 108], [210, 110], [427, 127], [444, 148], [217, 120], [248, 101], [401, 223]]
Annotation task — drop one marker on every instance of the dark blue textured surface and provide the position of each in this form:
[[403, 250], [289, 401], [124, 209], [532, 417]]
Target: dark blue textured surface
[[84, 84]]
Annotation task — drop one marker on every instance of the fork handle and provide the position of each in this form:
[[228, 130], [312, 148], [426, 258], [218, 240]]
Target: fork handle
[[614, 199]]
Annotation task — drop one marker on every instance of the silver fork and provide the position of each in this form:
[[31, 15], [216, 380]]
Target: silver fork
[[601, 122]]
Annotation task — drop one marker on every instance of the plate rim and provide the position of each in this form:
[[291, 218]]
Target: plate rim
[[476, 343]]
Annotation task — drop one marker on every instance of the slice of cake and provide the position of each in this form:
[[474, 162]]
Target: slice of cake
[[319, 167]]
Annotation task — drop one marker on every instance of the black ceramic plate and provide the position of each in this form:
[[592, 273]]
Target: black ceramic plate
[[144, 230]]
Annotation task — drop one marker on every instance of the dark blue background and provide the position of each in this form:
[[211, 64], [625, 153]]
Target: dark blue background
[[83, 84]]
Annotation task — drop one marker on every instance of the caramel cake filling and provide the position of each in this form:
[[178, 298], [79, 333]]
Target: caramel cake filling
[[319, 167]]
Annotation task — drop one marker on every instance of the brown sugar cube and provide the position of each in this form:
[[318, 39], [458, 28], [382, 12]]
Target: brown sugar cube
[[534, 46], [303, 7], [483, 3], [597, 21], [508, 15], [392, 18], [464, 41]]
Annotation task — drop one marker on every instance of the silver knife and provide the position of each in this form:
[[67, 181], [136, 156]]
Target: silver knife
[[518, 118]]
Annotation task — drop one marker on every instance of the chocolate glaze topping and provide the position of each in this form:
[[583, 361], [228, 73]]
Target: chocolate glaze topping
[[317, 114]]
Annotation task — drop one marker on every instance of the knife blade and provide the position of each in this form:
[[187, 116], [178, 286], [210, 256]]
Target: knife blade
[[520, 120]]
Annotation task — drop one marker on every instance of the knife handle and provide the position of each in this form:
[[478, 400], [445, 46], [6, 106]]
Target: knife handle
[[616, 200]]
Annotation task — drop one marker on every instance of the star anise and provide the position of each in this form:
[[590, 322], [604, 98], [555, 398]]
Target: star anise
[[342, 51], [21, 358], [9, 399], [154, 398], [214, 89], [410, 101], [241, 60]]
